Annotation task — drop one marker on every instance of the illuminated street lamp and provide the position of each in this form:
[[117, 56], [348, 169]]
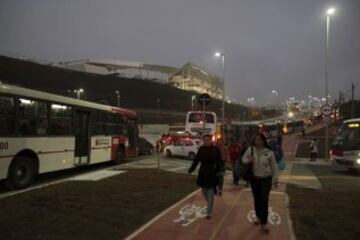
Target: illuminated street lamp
[[193, 98], [222, 55], [275, 92], [329, 12], [78, 92]]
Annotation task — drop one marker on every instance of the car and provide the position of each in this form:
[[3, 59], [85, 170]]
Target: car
[[144, 146], [183, 147], [345, 149], [171, 137]]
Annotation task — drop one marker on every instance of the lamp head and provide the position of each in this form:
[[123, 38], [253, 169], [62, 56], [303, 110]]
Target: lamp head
[[330, 11], [218, 54]]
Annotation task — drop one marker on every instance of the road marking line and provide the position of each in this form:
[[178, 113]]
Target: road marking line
[[177, 168], [36, 187], [146, 225], [218, 226], [96, 176], [289, 220]]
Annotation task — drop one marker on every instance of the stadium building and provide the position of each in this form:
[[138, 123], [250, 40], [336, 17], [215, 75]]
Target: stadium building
[[189, 77]]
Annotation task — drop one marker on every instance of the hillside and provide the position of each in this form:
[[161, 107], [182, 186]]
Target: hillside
[[135, 94]]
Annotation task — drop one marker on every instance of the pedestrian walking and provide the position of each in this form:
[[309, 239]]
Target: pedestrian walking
[[225, 159], [209, 158], [278, 153], [313, 150], [234, 152], [303, 131], [280, 138], [264, 173]]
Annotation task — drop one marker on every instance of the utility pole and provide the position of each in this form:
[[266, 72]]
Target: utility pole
[[352, 100], [118, 97], [340, 97]]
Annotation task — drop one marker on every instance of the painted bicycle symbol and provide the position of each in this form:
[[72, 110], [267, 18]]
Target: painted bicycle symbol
[[189, 213], [273, 217]]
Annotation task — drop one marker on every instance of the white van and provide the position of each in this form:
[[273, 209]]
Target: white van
[[345, 149]]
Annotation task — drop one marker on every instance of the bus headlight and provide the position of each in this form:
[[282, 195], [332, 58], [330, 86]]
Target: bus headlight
[[358, 161]]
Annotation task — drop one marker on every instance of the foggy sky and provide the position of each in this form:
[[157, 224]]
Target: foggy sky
[[268, 44]]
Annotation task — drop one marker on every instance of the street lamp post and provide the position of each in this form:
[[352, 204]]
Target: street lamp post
[[193, 97], [158, 104], [222, 55], [118, 97], [78, 92], [329, 12]]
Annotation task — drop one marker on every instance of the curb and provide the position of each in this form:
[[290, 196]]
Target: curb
[[289, 221]]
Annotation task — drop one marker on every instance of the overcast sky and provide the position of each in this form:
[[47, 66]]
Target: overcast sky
[[268, 44]]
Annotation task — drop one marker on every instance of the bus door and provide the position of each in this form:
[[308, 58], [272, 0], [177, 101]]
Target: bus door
[[82, 137]]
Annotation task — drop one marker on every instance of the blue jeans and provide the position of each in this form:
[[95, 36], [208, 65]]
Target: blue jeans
[[209, 197], [221, 181]]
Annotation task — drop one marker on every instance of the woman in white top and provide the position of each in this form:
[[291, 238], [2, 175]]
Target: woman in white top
[[264, 172]]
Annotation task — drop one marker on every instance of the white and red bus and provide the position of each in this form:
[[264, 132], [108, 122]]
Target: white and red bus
[[198, 122], [42, 132]]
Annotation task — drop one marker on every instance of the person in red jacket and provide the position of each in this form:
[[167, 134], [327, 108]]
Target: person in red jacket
[[234, 152]]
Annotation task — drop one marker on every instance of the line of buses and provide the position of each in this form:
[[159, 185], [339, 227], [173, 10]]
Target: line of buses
[[42, 132], [345, 150], [198, 123]]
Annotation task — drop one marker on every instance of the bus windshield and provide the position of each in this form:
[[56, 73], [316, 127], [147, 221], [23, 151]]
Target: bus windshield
[[198, 117], [348, 137]]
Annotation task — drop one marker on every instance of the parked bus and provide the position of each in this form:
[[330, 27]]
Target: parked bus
[[238, 131], [198, 122], [42, 132], [345, 149]]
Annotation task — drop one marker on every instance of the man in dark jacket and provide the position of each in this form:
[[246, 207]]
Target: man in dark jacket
[[210, 158]]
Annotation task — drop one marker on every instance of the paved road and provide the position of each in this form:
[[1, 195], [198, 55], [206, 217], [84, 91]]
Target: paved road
[[336, 177], [179, 165]]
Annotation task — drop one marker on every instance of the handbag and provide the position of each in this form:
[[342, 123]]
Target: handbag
[[281, 164], [245, 169]]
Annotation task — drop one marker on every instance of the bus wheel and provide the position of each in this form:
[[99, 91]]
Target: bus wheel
[[120, 155], [192, 156], [168, 153], [21, 173]]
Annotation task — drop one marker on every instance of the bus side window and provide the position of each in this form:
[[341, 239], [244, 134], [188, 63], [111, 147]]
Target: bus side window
[[7, 116], [99, 123], [34, 117], [60, 119]]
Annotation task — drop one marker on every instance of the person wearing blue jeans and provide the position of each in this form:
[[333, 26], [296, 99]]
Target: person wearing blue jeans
[[209, 158]]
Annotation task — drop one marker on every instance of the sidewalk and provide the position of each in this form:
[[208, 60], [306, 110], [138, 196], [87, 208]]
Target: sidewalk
[[232, 218]]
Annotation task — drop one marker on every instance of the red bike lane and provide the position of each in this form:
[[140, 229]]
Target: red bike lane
[[232, 218]]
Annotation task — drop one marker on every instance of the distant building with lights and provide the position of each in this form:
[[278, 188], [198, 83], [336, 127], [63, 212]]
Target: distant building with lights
[[192, 78], [189, 77]]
